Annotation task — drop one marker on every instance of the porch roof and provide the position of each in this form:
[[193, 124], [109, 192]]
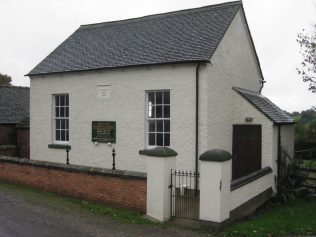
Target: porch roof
[[263, 104]]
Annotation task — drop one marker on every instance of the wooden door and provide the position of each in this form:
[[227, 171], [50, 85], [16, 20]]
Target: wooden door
[[246, 150]]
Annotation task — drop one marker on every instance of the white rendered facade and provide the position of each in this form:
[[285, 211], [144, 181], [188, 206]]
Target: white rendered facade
[[219, 107]]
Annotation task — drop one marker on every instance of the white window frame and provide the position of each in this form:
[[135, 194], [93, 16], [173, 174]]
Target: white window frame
[[157, 119], [55, 141]]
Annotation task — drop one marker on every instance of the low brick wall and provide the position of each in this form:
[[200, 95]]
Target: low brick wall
[[114, 187]]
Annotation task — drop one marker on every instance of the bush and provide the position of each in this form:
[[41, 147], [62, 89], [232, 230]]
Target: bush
[[291, 178]]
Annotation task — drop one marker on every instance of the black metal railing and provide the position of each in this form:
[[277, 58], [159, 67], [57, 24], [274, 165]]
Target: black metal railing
[[185, 194]]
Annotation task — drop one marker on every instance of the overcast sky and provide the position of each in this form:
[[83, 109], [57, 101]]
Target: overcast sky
[[31, 29]]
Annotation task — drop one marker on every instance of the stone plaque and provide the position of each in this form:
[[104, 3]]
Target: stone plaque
[[104, 91], [104, 131]]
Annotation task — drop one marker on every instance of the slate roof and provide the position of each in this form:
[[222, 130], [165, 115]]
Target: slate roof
[[263, 104], [14, 104], [183, 36], [25, 123]]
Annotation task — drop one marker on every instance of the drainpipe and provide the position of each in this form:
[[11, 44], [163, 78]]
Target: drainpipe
[[197, 124], [279, 157], [261, 84]]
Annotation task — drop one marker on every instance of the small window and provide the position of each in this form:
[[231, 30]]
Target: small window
[[61, 119], [158, 118]]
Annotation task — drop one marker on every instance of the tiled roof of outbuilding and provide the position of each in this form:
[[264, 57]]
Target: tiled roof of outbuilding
[[183, 36], [263, 104], [14, 104]]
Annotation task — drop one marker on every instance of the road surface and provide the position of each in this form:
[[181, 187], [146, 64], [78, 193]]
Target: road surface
[[32, 214]]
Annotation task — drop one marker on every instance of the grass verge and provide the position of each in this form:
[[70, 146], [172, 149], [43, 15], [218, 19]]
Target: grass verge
[[310, 164], [64, 202], [295, 218]]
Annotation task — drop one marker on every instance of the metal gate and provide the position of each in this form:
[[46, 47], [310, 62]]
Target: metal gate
[[307, 163], [185, 195]]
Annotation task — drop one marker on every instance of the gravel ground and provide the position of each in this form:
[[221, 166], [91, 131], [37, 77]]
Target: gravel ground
[[23, 214]]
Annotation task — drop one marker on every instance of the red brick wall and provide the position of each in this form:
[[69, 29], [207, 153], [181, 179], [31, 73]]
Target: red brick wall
[[4, 151], [116, 191], [7, 134], [23, 142]]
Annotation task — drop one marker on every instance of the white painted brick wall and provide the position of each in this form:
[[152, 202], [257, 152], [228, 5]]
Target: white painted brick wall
[[244, 193], [126, 106], [233, 64]]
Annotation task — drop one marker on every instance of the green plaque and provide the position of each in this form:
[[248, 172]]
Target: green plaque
[[104, 131]]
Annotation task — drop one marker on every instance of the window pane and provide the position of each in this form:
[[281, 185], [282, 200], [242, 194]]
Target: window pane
[[57, 123], [67, 135], [57, 135], [150, 110], [62, 111], [153, 112], [159, 98], [151, 126], [67, 124], [151, 139], [159, 111], [166, 111], [56, 100], [62, 135], [63, 123], [166, 125], [62, 100], [67, 100], [151, 98], [159, 126], [159, 139], [166, 97], [67, 112], [57, 112], [167, 139]]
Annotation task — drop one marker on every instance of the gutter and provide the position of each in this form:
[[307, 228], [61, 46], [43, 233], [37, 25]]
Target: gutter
[[197, 124]]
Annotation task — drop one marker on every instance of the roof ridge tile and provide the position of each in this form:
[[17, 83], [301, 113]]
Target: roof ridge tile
[[159, 15]]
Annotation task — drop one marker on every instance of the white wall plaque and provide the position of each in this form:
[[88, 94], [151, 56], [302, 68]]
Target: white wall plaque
[[104, 91]]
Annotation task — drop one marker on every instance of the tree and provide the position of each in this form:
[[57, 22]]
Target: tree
[[5, 80], [307, 42], [305, 129]]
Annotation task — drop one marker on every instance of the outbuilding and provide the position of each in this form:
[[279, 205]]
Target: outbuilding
[[14, 121]]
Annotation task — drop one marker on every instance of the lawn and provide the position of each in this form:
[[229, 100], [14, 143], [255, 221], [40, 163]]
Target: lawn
[[309, 164], [296, 218]]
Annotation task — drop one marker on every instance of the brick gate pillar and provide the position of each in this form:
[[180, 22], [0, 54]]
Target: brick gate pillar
[[160, 161]]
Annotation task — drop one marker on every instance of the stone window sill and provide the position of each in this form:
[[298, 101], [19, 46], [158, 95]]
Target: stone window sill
[[237, 183], [59, 146]]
